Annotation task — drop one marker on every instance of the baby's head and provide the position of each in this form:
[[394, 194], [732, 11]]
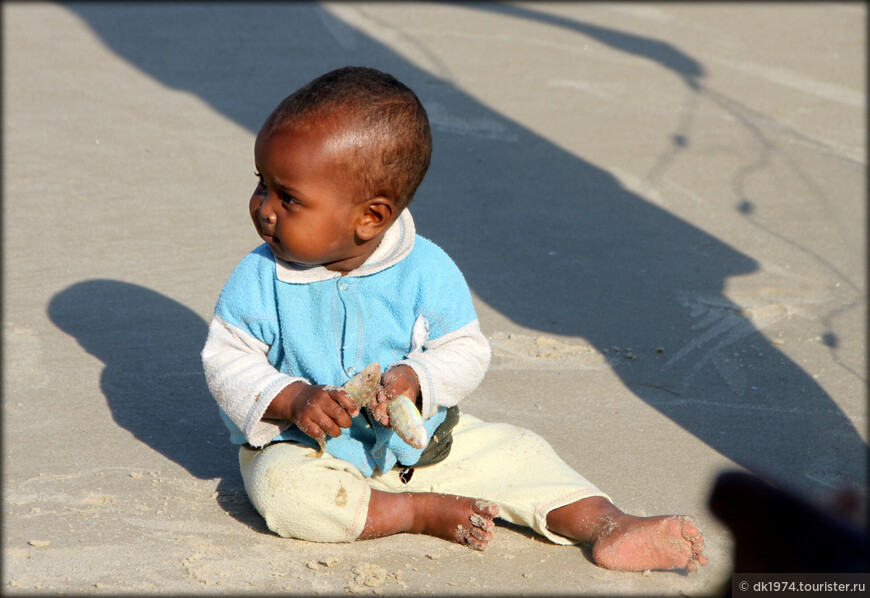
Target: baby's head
[[338, 160], [378, 119]]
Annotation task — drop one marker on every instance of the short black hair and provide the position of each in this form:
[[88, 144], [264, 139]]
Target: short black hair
[[387, 117]]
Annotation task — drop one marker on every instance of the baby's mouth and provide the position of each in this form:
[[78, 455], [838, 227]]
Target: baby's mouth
[[268, 235]]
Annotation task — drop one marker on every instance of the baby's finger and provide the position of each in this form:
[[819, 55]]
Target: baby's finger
[[326, 424], [340, 416], [337, 412], [310, 428], [379, 412], [349, 408]]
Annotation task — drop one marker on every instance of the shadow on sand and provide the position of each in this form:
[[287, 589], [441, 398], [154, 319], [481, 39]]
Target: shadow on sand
[[607, 265], [153, 379]]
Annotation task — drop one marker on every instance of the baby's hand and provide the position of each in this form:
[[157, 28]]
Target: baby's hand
[[320, 410], [398, 380]]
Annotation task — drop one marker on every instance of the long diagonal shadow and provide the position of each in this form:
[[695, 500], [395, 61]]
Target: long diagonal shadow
[[153, 379], [623, 272]]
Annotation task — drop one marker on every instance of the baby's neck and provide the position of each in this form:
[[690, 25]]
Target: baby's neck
[[349, 264]]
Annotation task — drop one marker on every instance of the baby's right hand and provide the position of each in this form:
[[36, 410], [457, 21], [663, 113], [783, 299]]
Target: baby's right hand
[[397, 380], [319, 410]]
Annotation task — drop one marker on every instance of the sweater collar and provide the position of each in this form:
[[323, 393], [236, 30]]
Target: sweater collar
[[393, 248]]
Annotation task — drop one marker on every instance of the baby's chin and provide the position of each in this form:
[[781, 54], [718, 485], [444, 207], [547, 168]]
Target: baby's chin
[[275, 247], [280, 255], [288, 259]]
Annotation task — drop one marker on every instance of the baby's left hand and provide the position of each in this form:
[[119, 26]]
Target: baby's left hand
[[398, 380]]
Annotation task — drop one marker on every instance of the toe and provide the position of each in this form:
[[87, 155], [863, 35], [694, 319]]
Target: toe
[[481, 522], [689, 530], [696, 562], [485, 508], [477, 545], [698, 545], [481, 534]]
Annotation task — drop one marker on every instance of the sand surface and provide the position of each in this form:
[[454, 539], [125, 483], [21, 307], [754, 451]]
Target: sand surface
[[660, 209]]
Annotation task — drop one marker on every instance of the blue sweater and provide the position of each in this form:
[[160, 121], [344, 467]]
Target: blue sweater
[[408, 303]]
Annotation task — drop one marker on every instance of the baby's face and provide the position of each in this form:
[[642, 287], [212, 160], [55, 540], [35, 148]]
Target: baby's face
[[303, 206]]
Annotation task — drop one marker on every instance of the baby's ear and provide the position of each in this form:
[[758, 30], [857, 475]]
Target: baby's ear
[[376, 217]]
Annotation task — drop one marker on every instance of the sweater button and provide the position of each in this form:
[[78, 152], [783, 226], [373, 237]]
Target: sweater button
[[351, 371], [378, 454], [342, 286]]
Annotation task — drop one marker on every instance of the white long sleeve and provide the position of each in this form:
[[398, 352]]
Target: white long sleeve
[[242, 380], [449, 367]]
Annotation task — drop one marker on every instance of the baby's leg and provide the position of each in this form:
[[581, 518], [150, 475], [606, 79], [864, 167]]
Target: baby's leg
[[319, 500], [628, 543], [519, 471], [511, 467], [456, 518], [328, 500]]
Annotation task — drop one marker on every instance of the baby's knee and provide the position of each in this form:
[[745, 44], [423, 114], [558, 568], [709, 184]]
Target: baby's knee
[[299, 496]]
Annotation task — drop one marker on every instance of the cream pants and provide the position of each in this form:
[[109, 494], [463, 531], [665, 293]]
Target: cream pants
[[326, 499]]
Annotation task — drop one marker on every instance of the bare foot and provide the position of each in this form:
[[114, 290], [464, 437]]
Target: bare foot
[[628, 543], [458, 519]]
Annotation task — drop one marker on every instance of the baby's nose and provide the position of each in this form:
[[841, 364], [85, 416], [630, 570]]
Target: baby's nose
[[267, 212]]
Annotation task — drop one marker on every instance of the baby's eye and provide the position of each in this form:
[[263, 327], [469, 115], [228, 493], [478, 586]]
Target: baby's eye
[[261, 184], [287, 199]]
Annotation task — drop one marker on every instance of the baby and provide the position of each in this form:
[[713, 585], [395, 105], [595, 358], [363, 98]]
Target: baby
[[342, 281]]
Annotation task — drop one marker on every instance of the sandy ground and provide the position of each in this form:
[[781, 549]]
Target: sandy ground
[[660, 209]]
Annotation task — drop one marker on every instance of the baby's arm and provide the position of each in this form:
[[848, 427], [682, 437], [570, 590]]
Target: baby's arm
[[449, 367], [438, 372], [258, 398], [242, 380]]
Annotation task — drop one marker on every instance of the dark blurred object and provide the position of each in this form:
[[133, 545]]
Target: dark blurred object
[[777, 531]]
